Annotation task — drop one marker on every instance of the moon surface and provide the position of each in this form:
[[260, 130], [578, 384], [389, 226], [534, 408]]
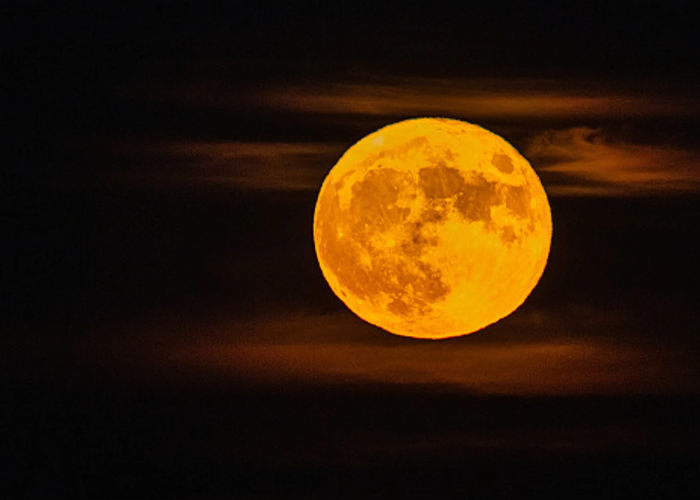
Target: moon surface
[[432, 228]]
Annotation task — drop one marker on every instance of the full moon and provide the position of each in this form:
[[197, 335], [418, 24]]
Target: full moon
[[432, 228]]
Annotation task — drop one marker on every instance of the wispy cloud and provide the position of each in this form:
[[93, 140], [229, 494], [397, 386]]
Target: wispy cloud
[[578, 161], [536, 353], [560, 364], [595, 164], [285, 166], [552, 117], [435, 98], [468, 98]]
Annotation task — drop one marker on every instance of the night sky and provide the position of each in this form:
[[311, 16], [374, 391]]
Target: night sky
[[167, 332]]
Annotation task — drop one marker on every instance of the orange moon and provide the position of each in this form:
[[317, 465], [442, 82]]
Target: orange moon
[[432, 228]]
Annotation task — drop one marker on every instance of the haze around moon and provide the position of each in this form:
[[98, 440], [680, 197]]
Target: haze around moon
[[432, 228]]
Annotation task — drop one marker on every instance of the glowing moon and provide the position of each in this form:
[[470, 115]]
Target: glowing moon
[[432, 228]]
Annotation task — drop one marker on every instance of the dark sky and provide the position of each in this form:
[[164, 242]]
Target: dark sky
[[166, 330]]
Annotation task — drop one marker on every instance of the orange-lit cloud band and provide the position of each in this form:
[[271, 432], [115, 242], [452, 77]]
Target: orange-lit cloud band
[[593, 164], [276, 166], [589, 164], [516, 358], [467, 99], [551, 119]]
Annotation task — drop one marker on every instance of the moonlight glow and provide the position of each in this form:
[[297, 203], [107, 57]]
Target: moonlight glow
[[432, 228]]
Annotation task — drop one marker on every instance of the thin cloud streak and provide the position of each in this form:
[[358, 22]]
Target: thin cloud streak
[[597, 165], [573, 161], [470, 99], [538, 367], [510, 359], [477, 98], [586, 161], [276, 166]]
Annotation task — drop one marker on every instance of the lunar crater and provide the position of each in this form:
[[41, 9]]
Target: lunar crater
[[503, 163]]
